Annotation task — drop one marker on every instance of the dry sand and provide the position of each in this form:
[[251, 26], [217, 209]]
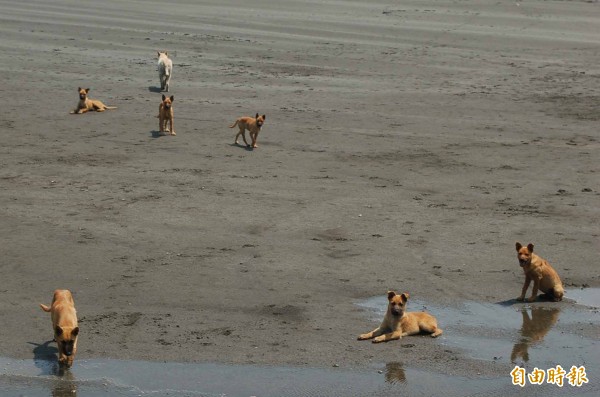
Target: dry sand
[[407, 146]]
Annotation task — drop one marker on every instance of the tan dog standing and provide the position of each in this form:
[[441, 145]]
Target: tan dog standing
[[252, 124], [165, 70], [539, 270], [165, 114], [85, 104], [398, 323], [64, 324]]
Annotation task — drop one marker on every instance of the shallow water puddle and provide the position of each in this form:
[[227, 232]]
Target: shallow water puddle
[[138, 378], [585, 296], [541, 334]]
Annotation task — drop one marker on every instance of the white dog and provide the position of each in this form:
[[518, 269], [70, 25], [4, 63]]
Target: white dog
[[165, 70]]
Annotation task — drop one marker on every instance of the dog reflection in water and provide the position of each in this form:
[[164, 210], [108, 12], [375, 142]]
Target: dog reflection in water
[[394, 373], [64, 385], [533, 330]]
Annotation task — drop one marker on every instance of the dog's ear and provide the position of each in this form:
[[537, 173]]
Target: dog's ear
[[164, 97], [166, 53], [530, 247], [75, 332], [256, 116], [518, 245], [391, 294], [158, 53], [78, 89], [172, 98], [404, 297], [58, 331], [264, 116], [87, 90]]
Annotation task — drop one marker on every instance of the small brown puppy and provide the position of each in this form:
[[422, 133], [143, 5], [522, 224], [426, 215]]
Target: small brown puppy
[[539, 270], [85, 104], [165, 114], [64, 323], [253, 125], [398, 323]]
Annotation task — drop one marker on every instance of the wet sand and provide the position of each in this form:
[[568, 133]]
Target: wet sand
[[407, 146]]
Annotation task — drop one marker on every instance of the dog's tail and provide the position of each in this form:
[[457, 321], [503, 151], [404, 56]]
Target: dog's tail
[[44, 307], [234, 124], [111, 107]]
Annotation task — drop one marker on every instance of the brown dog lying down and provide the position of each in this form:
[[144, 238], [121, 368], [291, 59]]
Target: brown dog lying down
[[85, 104], [64, 324], [539, 270], [252, 124], [398, 323]]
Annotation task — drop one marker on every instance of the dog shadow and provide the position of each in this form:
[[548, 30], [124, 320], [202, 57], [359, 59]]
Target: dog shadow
[[154, 89], [157, 134], [45, 358], [248, 148], [514, 301]]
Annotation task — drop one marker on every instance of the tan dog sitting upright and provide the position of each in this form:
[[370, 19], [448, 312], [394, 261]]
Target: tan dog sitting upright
[[85, 104], [64, 324], [165, 114], [398, 323], [252, 124], [539, 270]]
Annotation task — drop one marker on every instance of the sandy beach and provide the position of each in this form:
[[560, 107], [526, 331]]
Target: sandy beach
[[407, 146]]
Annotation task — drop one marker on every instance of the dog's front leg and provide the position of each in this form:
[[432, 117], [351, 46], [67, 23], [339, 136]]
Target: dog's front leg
[[171, 124], [524, 290], [376, 332], [388, 337], [536, 286]]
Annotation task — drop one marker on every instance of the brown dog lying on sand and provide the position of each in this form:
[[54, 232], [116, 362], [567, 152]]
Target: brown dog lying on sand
[[252, 124], [165, 114], [539, 270], [85, 104], [398, 323], [64, 324]]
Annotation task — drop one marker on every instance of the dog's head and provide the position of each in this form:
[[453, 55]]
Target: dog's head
[[162, 54], [65, 339], [260, 120], [524, 254], [397, 303], [83, 93], [168, 102]]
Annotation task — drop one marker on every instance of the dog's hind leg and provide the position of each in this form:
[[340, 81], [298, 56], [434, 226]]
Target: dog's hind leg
[[243, 132]]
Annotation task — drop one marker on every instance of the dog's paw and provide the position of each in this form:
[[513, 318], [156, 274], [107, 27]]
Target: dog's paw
[[379, 339], [363, 337], [532, 299], [521, 298]]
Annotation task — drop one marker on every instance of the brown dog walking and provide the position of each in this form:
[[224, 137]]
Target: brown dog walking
[[165, 114], [64, 324], [252, 124]]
